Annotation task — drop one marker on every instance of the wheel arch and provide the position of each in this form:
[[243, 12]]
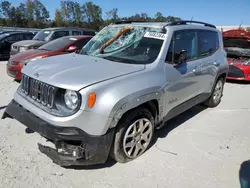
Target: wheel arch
[[151, 101]]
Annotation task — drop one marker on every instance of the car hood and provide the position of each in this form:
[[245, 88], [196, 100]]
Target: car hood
[[28, 54], [30, 43], [74, 71]]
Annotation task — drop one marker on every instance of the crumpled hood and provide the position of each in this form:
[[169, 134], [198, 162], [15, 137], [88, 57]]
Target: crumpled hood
[[30, 43], [74, 71]]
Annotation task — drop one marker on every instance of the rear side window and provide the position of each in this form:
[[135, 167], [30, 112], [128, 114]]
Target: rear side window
[[208, 42], [76, 33]]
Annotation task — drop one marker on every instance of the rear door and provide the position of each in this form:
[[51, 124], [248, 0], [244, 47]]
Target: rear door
[[208, 42]]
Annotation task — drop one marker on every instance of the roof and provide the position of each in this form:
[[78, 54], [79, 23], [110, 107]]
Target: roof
[[57, 28], [15, 32], [180, 23], [77, 36]]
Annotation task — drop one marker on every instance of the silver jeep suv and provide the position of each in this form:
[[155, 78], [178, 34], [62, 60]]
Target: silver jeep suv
[[127, 81]]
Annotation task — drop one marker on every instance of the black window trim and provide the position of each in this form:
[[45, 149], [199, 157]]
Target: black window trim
[[197, 45]]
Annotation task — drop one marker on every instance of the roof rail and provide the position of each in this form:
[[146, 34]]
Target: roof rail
[[126, 21], [184, 22]]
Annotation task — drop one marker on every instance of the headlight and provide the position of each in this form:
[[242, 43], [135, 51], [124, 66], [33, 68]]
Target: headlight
[[71, 99], [246, 63], [22, 49]]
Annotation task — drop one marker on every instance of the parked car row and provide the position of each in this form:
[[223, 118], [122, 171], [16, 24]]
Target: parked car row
[[14, 42], [9, 38], [59, 46], [126, 82], [46, 35]]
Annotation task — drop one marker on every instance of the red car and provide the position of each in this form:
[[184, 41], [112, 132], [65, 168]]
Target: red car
[[237, 46], [59, 46]]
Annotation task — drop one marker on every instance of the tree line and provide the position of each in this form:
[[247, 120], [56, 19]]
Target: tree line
[[35, 14]]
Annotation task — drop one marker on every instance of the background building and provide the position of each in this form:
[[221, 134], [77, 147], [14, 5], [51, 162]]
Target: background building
[[225, 28]]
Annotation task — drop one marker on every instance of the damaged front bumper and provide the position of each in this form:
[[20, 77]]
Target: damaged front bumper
[[72, 145]]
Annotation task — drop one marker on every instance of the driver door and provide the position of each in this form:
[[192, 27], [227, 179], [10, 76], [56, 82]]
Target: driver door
[[182, 79]]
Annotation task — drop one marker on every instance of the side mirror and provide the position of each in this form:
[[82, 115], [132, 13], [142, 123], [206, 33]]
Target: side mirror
[[4, 41], [181, 57], [72, 49]]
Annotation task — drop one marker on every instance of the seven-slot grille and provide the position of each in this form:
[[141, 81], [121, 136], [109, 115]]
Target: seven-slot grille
[[38, 91]]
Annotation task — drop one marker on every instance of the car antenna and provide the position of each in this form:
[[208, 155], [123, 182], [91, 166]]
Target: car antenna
[[240, 25]]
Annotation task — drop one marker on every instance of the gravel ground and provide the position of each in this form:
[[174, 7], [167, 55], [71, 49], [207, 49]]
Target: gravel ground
[[200, 148]]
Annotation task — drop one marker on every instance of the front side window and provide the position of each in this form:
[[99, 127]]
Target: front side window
[[27, 37], [131, 44], [182, 40], [58, 34], [76, 33], [80, 43], [208, 42]]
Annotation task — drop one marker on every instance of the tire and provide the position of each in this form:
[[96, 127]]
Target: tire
[[125, 129], [217, 93]]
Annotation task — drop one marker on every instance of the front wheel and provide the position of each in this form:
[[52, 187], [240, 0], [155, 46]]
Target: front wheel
[[133, 136], [217, 93]]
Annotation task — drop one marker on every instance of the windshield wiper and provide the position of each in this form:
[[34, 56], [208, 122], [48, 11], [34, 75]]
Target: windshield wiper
[[116, 59], [43, 49]]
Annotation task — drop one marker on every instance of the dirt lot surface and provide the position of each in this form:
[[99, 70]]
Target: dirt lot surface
[[200, 148]]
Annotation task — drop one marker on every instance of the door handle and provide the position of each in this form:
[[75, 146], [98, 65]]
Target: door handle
[[197, 69], [216, 63]]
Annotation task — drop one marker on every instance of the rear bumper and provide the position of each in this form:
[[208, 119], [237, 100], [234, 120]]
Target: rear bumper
[[79, 148]]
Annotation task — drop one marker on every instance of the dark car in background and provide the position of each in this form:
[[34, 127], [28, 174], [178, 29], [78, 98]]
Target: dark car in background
[[59, 46], [46, 35], [8, 38]]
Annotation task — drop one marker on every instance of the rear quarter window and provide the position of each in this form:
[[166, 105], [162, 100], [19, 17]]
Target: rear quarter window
[[208, 42]]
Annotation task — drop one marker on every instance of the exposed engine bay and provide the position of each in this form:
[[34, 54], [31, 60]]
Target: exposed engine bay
[[238, 50]]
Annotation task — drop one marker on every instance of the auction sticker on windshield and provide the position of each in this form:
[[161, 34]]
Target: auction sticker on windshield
[[155, 35]]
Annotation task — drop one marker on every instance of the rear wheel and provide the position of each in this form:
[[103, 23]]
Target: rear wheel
[[217, 93], [133, 136]]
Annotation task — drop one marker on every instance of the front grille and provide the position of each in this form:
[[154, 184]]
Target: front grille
[[38, 91], [11, 73], [235, 72]]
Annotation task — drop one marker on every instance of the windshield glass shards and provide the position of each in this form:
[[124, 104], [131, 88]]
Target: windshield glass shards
[[129, 44]]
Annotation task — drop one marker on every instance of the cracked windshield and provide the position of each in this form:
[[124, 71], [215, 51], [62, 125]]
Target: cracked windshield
[[136, 45]]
